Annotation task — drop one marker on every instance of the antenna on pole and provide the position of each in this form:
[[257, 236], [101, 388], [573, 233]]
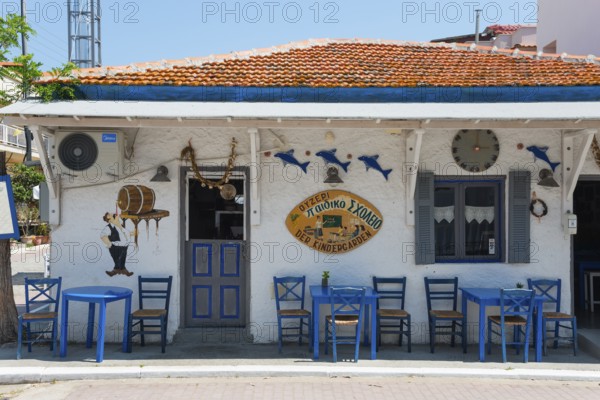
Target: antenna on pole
[[477, 18], [85, 45]]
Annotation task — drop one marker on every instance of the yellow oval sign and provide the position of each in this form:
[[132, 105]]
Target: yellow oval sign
[[334, 221]]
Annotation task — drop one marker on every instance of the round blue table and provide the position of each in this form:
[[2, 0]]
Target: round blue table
[[100, 295]]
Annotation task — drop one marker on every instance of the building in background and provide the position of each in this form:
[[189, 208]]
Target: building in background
[[521, 37]]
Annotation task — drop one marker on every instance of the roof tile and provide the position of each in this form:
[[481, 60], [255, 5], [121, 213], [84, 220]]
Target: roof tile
[[358, 63]]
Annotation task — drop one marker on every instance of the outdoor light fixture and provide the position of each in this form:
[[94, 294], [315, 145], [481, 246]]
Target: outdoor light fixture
[[547, 178], [333, 177], [162, 175]]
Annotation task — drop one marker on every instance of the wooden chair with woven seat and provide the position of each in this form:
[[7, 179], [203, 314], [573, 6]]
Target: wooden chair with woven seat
[[391, 315], [42, 297], [551, 290], [516, 310], [444, 290], [347, 309], [289, 301], [157, 290]]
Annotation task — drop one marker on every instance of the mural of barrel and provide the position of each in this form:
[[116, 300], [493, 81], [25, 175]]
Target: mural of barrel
[[136, 199]]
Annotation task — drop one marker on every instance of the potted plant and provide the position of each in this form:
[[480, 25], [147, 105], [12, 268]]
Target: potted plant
[[42, 234], [325, 279]]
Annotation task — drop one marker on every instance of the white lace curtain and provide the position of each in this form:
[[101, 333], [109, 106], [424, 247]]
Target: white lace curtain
[[472, 213]]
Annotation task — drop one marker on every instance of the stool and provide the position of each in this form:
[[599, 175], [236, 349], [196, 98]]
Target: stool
[[591, 276]]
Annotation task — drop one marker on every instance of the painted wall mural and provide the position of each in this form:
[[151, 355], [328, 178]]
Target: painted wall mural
[[334, 221], [137, 204]]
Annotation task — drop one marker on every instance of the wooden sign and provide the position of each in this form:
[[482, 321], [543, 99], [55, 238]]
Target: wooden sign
[[334, 221], [9, 228]]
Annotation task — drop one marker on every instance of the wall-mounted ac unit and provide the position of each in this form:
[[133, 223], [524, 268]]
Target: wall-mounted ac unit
[[89, 155]]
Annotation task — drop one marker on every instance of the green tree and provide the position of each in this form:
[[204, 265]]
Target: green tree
[[23, 72], [24, 179]]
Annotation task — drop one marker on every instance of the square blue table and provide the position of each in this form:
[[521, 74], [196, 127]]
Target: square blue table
[[320, 295], [100, 295], [491, 297]]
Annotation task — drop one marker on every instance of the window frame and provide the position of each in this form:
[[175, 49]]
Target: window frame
[[460, 184]]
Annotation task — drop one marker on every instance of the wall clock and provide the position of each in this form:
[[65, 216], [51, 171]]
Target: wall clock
[[475, 150]]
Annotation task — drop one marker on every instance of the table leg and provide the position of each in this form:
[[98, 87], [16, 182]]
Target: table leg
[[90, 327], [373, 331], [366, 326], [315, 314], [538, 332], [126, 324], [464, 309], [101, 326], [481, 332], [64, 334]]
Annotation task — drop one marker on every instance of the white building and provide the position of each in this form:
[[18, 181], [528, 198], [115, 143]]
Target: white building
[[405, 103], [568, 27]]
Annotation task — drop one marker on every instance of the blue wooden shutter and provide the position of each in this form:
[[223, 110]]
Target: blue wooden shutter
[[518, 216], [424, 223]]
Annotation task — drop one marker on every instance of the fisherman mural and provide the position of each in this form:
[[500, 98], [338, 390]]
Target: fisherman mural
[[334, 221]]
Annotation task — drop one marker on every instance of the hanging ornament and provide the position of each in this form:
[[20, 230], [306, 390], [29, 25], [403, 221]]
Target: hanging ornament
[[538, 207], [228, 191], [189, 154]]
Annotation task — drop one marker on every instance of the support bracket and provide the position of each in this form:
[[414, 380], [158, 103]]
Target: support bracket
[[573, 161], [52, 180], [414, 140]]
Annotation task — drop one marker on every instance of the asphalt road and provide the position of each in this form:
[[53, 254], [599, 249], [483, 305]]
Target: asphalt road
[[412, 388]]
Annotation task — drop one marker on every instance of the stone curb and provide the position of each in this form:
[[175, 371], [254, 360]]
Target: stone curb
[[51, 374]]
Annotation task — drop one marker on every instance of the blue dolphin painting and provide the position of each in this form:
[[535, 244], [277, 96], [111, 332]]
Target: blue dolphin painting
[[288, 158], [371, 162], [330, 158], [540, 152]]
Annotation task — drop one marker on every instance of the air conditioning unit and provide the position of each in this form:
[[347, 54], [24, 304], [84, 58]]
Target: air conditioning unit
[[89, 155]]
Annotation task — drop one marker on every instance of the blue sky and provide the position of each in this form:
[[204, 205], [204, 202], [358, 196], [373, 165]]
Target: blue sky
[[149, 30]]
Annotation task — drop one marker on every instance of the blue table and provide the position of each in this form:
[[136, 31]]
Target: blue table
[[491, 297], [100, 295], [320, 295]]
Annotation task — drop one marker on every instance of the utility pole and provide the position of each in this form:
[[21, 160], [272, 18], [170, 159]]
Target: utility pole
[[477, 17]]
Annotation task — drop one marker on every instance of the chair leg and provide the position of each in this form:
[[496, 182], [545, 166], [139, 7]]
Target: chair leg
[[357, 342], [378, 343], [463, 331], [54, 342], [556, 326], [453, 336], [279, 332], [19, 339], [142, 332], [163, 334], [326, 336], [130, 334], [27, 335], [517, 337], [503, 336], [489, 337], [408, 333], [574, 329], [544, 337], [432, 334]]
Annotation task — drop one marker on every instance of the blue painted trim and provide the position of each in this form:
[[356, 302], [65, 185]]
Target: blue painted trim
[[479, 94], [194, 310], [237, 302], [209, 247], [237, 260], [14, 234]]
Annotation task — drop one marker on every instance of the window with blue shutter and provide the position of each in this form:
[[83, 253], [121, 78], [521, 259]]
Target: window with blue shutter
[[519, 197]]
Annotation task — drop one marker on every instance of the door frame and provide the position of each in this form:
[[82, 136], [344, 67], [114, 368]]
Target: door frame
[[183, 176]]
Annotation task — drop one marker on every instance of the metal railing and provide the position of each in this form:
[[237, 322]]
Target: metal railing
[[15, 137]]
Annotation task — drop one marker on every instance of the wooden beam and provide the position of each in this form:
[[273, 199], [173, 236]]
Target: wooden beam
[[414, 140], [254, 176]]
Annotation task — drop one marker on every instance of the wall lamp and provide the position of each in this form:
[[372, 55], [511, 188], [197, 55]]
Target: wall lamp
[[333, 177], [547, 178], [162, 175]]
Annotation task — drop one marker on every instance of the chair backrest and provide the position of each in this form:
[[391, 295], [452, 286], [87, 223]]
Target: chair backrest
[[516, 302], [392, 291], [440, 290], [549, 288], [42, 294], [155, 288], [347, 301], [289, 290]]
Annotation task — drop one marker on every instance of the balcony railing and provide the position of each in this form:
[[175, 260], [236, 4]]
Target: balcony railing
[[15, 137]]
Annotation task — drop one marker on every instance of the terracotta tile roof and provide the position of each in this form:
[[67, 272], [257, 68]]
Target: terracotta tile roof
[[506, 29], [358, 64]]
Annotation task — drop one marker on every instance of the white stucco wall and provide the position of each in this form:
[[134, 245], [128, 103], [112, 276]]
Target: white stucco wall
[[274, 250], [573, 24]]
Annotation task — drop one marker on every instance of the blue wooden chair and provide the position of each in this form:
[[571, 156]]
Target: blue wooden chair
[[444, 290], [42, 297], [516, 310], [391, 316], [289, 300], [551, 290], [347, 309], [156, 290]]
